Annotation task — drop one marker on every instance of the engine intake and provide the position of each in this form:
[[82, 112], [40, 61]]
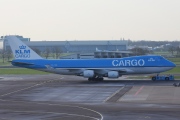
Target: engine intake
[[88, 73], [113, 74]]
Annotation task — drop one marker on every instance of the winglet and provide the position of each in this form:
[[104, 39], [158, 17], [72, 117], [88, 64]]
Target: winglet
[[21, 50]]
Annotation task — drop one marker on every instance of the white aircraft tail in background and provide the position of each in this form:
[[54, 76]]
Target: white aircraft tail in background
[[21, 50]]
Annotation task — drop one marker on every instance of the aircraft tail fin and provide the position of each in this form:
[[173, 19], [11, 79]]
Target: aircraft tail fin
[[21, 50]]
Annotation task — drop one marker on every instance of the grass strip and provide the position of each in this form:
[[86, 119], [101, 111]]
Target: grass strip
[[175, 70]]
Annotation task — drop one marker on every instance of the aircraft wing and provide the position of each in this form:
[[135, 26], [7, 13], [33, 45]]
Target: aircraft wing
[[104, 71], [100, 70], [97, 71]]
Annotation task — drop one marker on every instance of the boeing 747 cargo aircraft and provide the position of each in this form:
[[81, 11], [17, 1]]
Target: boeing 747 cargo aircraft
[[93, 69]]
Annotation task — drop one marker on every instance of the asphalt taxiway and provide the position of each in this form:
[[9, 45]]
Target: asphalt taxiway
[[56, 97]]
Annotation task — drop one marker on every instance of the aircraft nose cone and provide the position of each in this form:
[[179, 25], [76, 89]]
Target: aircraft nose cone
[[173, 65]]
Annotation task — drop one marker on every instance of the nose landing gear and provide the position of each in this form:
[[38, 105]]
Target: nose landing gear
[[176, 84]]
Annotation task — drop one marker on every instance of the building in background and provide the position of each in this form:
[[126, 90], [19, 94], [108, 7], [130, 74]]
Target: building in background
[[80, 48], [6, 44]]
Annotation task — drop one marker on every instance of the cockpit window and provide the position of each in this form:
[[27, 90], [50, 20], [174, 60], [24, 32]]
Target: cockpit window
[[160, 58]]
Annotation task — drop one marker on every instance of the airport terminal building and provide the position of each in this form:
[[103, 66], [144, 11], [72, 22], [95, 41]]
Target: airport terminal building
[[106, 48]]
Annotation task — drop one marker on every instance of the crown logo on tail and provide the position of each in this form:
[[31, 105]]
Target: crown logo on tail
[[22, 47]]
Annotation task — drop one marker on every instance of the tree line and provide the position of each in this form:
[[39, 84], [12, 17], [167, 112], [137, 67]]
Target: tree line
[[153, 43], [172, 47]]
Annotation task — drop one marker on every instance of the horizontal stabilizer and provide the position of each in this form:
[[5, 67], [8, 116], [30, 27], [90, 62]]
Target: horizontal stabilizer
[[22, 63]]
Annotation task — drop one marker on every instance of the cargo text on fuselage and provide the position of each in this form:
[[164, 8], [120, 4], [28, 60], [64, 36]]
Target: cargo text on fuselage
[[133, 62]]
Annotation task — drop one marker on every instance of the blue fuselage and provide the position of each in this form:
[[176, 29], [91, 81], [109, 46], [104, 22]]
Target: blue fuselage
[[136, 64]]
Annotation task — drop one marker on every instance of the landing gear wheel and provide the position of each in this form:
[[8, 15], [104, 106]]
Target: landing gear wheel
[[96, 79], [153, 78], [101, 79], [90, 79], [166, 78]]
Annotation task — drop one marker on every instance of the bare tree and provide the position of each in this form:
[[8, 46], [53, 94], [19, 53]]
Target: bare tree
[[171, 50], [178, 50], [8, 54], [139, 51], [57, 51], [3, 54], [46, 52]]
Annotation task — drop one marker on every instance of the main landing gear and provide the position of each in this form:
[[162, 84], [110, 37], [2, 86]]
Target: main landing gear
[[96, 79]]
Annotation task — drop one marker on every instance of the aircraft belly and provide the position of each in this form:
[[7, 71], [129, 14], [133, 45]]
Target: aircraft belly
[[124, 71], [148, 70]]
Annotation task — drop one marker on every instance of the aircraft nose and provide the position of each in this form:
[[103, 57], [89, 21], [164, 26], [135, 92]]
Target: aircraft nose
[[172, 64]]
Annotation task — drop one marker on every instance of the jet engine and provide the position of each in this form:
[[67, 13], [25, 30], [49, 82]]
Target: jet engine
[[113, 74], [88, 73]]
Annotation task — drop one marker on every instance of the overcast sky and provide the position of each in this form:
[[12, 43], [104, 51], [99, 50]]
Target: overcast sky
[[91, 19]]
